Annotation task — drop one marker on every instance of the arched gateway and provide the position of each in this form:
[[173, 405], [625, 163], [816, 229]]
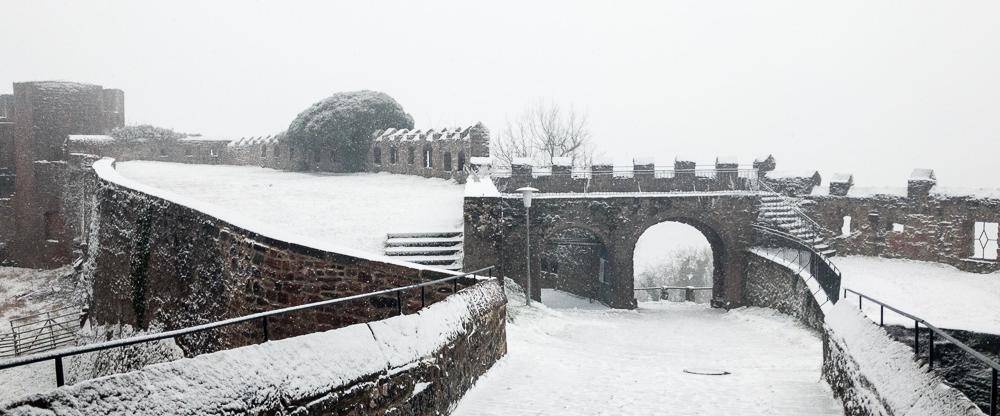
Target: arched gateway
[[495, 233]]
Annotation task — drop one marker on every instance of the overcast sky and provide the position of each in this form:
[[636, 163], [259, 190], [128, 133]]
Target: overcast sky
[[873, 88]]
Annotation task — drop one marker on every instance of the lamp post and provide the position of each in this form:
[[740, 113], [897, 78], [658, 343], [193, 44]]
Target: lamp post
[[526, 193]]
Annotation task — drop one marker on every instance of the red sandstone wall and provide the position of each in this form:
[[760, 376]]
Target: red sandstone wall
[[161, 262]]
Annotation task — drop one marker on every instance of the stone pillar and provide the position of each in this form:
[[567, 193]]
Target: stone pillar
[[603, 168], [684, 168], [841, 183], [521, 168], [764, 165], [727, 171], [643, 167], [562, 166], [920, 183]]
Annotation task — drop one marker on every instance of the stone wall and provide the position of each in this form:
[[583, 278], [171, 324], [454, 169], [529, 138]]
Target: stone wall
[[936, 228], [45, 114], [444, 153], [875, 375], [419, 364], [178, 263], [6, 159], [495, 234], [774, 285]]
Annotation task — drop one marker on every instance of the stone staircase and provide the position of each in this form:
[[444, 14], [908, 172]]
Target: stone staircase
[[441, 249], [780, 213]]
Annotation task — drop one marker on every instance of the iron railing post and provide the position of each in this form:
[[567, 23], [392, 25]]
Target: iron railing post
[[993, 395], [399, 302], [59, 372], [267, 334], [859, 301], [881, 315], [930, 351], [423, 301], [916, 338]]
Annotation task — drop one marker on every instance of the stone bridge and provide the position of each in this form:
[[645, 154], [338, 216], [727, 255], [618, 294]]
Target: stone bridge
[[609, 225]]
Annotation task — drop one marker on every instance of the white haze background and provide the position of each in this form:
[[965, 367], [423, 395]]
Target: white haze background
[[873, 88]]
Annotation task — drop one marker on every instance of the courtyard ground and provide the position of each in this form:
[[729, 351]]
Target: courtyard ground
[[939, 293], [572, 357], [348, 210]]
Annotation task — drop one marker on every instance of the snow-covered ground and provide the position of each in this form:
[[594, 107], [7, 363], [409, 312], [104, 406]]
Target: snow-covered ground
[[572, 357], [939, 293], [348, 210]]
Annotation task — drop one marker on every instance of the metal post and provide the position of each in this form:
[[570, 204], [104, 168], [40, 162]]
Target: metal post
[[527, 250], [881, 315], [916, 337], [859, 301], [993, 395], [454, 286], [423, 301], [399, 302], [59, 372], [930, 354], [267, 334]]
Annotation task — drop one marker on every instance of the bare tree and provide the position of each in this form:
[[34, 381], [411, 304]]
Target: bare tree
[[544, 132]]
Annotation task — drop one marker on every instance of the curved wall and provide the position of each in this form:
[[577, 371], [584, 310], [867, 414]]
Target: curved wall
[[158, 258]]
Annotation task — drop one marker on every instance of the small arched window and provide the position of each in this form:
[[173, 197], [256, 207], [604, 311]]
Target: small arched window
[[263, 150], [447, 161], [392, 155], [377, 155], [411, 157], [461, 161], [428, 157]]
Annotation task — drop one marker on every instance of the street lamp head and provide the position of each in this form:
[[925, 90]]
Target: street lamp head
[[526, 194]]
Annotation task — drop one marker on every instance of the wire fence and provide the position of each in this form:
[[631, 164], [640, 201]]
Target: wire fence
[[41, 332]]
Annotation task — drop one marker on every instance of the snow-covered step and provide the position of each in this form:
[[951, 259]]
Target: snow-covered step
[[421, 250], [432, 248]]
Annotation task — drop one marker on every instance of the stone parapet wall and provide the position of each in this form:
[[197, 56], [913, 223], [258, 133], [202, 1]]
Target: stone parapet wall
[[774, 285], [874, 375], [938, 228], [419, 364], [444, 153], [163, 260]]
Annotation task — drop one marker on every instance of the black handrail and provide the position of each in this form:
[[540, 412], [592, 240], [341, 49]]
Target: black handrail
[[674, 288], [58, 355], [821, 268], [917, 321]]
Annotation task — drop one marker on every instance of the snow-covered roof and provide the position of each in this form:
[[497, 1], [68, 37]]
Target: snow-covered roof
[[481, 161], [522, 161], [454, 133], [842, 178], [206, 139], [726, 160], [90, 138], [925, 175], [787, 174], [562, 161]]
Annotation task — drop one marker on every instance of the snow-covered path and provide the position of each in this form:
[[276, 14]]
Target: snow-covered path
[[575, 358], [941, 294], [352, 210]]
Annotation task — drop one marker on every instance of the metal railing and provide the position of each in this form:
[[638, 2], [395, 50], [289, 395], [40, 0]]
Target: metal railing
[[826, 274], [40, 332], [994, 366], [665, 290], [801, 219], [261, 317]]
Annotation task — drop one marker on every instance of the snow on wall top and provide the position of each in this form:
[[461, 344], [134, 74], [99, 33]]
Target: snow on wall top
[[454, 133], [925, 175], [206, 139], [901, 384], [789, 174], [105, 169], [562, 161], [642, 161], [842, 178], [481, 161], [477, 186], [265, 376], [726, 160], [90, 138], [250, 141]]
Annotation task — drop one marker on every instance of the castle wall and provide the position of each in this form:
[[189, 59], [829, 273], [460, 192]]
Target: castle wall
[[444, 154], [6, 159], [937, 228], [177, 264], [379, 368]]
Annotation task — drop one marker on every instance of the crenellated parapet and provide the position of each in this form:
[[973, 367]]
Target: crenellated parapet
[[432, 153], [642, 175]]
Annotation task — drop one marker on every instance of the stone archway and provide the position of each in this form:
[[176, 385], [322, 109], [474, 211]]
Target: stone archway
[[716, 244], [574, 259]]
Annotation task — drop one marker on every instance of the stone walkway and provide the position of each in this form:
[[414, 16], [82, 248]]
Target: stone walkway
[[576, 358]]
